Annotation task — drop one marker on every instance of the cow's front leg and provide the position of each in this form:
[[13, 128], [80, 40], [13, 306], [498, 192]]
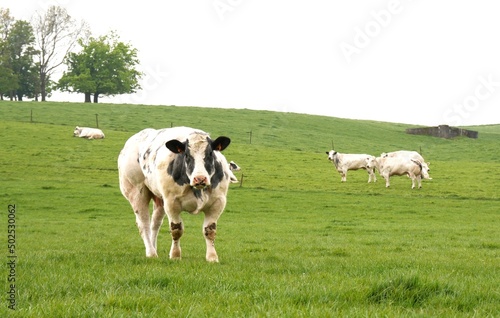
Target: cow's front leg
[[176, 230], [210, 229], [387, 183], [344, 176]]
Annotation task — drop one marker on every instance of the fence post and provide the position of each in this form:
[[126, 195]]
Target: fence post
[[97, 120]]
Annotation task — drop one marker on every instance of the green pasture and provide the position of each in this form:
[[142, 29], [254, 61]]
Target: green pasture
[[293, 241]]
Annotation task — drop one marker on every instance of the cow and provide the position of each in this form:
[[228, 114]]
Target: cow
[[345, 161], [233, 167], [410, 155], [179, 169], [399, 166], [87, 132]]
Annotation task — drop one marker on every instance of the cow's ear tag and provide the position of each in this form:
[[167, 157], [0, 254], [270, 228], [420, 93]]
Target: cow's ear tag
[[180, 150]]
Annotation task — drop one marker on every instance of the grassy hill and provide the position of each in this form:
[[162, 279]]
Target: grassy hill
[[293, 241]]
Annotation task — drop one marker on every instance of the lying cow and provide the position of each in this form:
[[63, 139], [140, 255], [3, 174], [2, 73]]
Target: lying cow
[[87, 132], [233, 167], [180, 169], [410, 155], [344, 162], [399, 166]]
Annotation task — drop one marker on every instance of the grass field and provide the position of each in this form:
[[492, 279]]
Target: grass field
[[293, 241]]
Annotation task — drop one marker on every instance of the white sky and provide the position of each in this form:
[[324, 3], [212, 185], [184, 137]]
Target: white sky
[[407, 61]]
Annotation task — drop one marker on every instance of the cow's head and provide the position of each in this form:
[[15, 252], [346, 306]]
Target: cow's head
[[371, 162], [77, 131], [425, 170], [331, 154], [233, 166], [196, 162]]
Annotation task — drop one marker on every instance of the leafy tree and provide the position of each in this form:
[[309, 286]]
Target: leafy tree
[[20, 42], [56, 35], [8, 79], [105, 66]]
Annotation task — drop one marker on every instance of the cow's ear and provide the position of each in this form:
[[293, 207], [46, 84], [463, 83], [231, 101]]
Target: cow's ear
[[221, 143], [175, 146]]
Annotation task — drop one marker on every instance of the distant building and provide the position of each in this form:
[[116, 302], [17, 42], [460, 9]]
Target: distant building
[[443, 131]]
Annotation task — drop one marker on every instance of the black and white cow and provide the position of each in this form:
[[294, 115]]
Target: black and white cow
[[180, 169], [233, 167]]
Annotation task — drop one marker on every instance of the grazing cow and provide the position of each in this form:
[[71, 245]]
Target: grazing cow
[[180, 169], [344, 162], [399, 166], [410, 155], [89, 133], [233, 167]]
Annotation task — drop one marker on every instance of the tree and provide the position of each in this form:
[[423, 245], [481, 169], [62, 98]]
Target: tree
[[8, 79], [56, 35], [20, 43], [105, 66]]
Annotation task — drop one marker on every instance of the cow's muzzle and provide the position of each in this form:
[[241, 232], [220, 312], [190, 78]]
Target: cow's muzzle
[[200, 182]]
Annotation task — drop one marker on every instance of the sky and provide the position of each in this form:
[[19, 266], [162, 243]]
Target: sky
[[417, 62]]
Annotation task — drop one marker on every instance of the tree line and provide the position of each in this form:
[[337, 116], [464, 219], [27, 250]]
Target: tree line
[[31, 53]]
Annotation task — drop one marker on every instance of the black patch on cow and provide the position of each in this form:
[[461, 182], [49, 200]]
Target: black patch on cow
[[177, 169], [146, 154], [212, 227], [175, 226], [197, 193], [218, 175]]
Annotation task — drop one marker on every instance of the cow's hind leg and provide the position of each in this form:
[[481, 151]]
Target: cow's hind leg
[[157, 220], [139, 200]]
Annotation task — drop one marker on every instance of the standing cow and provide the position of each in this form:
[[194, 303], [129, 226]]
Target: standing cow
[[87, 132], [409, 154], [399, 166], [345, 161], [180, 169]]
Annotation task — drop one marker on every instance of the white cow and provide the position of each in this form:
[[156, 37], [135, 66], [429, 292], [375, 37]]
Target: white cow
[[399, 166], [180, 169], [345, 161], [87, 132], [409, 154]]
